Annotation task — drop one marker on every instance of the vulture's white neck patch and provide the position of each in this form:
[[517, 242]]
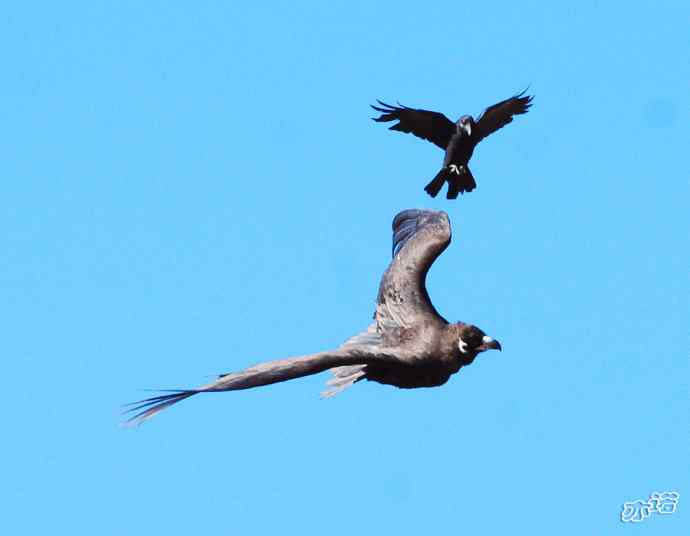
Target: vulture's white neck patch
[[462, 345]]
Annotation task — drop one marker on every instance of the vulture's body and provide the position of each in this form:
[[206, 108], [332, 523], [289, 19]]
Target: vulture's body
[[408, 345]]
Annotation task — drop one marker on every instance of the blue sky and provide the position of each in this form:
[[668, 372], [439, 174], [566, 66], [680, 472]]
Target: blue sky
[[191, 189]]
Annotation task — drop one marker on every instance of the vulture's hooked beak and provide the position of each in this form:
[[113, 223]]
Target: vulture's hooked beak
[[467, 128], [488, 343]]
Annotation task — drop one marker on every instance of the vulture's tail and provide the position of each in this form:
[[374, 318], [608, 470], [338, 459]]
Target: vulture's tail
[[434, 187], [343, 377]]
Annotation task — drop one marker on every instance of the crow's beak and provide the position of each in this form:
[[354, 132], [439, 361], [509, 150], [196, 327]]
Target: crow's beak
[[491, 344], [467, 128]]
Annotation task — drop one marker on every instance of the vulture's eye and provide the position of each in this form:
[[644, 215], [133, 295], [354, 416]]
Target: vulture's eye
[[474, 338]]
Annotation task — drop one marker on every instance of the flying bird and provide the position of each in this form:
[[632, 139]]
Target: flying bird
[[458, 139], [408, 345]]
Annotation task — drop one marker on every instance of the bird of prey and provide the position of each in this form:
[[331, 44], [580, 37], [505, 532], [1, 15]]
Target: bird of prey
[[458, 139], [408, 345]]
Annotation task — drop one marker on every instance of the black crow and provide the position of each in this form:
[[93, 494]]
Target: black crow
[[408, 345], [458, 140]]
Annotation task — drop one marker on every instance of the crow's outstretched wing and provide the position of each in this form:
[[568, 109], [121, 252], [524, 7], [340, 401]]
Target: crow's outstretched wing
[[419, 237], [432, 126], [500, 114]]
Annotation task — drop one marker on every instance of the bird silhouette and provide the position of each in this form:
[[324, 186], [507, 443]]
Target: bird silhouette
[[457, 139]]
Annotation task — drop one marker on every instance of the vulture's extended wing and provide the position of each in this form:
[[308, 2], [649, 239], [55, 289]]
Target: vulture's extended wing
[[264, 374]]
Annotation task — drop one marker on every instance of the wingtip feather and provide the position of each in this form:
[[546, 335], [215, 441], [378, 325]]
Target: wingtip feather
[[152, 406]]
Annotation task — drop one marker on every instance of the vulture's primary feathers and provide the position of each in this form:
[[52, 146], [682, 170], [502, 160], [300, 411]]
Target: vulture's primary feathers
[[408, 345], [458, 139]]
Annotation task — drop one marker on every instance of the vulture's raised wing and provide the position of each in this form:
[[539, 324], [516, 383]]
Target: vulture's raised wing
[[419, 237], [432, 126], [500, 114]]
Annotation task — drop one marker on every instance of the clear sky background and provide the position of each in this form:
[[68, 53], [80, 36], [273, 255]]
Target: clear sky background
[[191, 188]]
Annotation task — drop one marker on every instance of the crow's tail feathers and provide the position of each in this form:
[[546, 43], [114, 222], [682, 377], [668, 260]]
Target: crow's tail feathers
[[460, 183], [145, 409], [434, 187], [460, 180]]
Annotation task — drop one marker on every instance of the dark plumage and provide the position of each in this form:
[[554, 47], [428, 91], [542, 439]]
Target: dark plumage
[[458, 139], [408, 345]]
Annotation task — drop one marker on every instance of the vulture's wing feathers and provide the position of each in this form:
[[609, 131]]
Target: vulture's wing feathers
[[500, 114], [419, 237], [432, 126], [359, 352]]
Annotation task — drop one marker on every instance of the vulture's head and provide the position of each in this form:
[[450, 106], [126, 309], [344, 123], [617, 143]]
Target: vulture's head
[[472, 340], [466, 124]]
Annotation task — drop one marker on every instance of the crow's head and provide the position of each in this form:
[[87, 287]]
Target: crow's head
[[472, 340], [466, 124]]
